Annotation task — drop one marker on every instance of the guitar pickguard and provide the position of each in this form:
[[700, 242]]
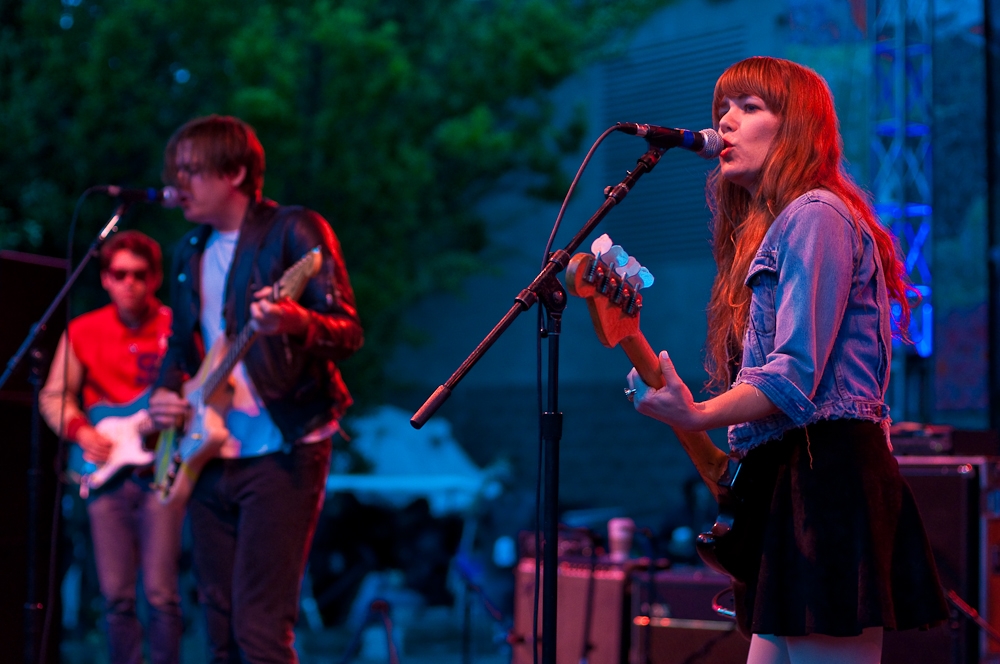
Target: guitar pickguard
[[126, 425]]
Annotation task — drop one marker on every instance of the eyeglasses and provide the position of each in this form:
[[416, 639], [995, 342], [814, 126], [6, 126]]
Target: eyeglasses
[[190, 170], [121, 275]]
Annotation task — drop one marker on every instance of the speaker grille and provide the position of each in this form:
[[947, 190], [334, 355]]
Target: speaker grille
[[590, 613]]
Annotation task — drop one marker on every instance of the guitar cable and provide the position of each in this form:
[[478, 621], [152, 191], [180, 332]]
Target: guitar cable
[[652, 592], [970, 613], [588, 613]]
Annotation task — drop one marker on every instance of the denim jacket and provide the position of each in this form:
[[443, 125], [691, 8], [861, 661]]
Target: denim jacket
[[818, 340]]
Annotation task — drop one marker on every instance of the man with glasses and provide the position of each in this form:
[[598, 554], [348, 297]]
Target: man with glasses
[[95, 395], [254, 508]]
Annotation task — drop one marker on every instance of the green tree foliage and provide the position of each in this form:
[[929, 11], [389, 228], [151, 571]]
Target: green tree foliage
[[389, 117]]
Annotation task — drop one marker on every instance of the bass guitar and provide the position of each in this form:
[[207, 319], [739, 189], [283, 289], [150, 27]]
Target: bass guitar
[[181, 455], [610, 281], [126, 425]]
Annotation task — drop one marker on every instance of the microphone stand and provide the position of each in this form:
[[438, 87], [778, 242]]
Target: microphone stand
[[34, 607], [547, 288]]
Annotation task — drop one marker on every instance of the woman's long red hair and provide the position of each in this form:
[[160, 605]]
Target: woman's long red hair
[[807, 153]]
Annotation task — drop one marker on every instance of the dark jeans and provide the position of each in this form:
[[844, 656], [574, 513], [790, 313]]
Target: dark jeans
[[132, 530], [252, 521]]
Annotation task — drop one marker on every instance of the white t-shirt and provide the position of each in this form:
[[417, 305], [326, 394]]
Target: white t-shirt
[[252, 432]]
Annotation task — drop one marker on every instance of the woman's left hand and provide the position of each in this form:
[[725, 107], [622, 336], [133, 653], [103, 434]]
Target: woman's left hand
[[672, 403]]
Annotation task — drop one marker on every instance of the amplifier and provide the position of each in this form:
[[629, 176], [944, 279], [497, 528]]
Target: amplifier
[[959, 502], [673, 621], [28, 284], [590, 619], [611, 614]]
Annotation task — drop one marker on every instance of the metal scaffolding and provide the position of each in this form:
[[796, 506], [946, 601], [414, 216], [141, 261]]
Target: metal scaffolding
[[901, 153]]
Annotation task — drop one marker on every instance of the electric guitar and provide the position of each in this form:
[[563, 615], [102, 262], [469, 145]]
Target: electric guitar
[[610, 281], [126, 425], [181, 455]]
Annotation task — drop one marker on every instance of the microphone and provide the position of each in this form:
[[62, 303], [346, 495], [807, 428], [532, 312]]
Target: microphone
[[168, 197], [706, 142]]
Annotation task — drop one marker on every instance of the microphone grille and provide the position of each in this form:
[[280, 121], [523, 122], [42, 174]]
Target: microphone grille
[[171, 197], [713, 144]]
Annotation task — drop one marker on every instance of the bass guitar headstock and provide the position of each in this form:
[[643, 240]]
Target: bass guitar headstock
[[610, 281]]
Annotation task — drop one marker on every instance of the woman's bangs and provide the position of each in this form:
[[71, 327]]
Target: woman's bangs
[[760, 77]]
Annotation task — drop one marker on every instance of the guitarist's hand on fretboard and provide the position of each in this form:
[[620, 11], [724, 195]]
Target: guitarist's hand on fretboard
[[282, 316], [672, 403]]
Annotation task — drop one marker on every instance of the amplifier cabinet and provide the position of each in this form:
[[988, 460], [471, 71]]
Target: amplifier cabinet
[[959, 501], [590, 613], [673, 620], [28, 284]]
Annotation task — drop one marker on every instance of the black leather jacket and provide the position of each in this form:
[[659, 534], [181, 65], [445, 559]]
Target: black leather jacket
[[296, 376]]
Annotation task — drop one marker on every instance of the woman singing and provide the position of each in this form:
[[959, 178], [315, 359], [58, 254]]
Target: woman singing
[[831, 546]]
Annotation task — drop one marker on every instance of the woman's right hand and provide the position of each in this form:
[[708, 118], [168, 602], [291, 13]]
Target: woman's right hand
[[167, 408]]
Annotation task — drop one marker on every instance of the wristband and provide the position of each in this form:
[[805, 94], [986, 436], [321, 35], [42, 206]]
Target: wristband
[[74, 426]]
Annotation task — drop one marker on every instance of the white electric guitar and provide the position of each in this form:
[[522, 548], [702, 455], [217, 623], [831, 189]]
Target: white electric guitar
[[126, 425]]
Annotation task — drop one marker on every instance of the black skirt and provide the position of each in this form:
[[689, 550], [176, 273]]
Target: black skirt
[[828, 539]]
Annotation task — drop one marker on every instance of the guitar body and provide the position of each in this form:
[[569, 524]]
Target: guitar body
[[733, 544], [182, 459], [126, 425], [179, 460], [720, 547]]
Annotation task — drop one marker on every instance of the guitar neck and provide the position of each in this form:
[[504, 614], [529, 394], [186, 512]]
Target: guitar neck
[[235, 353], [708, 460], [290, 285]]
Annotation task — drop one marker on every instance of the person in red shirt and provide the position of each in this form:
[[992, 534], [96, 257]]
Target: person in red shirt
[[95, 396]]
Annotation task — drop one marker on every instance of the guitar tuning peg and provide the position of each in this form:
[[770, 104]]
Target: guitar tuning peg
[[600, 245], [615, 255], [623, 270], [630, 267], [642, 278]]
